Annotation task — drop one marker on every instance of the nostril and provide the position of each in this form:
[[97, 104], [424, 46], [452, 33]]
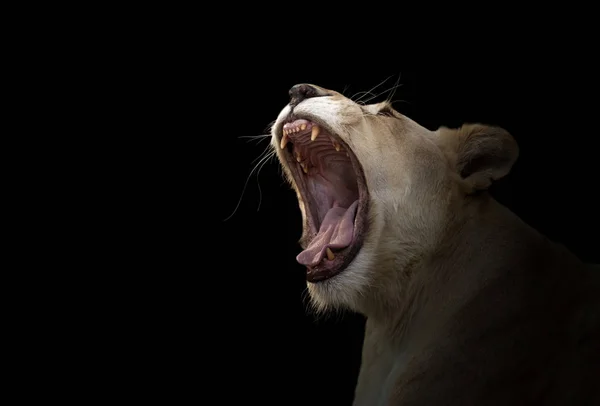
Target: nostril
[[301, 92]]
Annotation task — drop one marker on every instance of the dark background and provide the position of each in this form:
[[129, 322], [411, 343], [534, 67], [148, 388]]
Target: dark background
[[224, 305], [553, 187]]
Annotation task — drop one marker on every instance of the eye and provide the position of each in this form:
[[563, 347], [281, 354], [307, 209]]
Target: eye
[[386, 111]]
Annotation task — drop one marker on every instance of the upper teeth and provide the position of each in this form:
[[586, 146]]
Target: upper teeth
[[314, 132], [300, 152], [295, 127]]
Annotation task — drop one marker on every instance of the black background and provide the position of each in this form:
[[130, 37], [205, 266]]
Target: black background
[[224, 305]]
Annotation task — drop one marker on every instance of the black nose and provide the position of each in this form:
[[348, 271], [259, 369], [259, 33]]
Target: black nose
[[301, 92]]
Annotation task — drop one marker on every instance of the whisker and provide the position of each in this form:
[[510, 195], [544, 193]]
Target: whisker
[[363, 95], [257, 138], [397, 85], [265, 155], [370, 91], [270, 126], [269, 157]]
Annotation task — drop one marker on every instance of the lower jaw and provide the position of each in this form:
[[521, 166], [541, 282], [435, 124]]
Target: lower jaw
[[317, 277], [319, 273], [328, 269]]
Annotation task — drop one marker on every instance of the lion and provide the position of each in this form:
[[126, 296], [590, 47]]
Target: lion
[[465, 303]]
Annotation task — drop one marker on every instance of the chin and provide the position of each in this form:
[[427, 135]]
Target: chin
[[347, 290]]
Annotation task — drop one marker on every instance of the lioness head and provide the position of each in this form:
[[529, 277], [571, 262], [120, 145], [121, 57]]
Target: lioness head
[[379, 194]]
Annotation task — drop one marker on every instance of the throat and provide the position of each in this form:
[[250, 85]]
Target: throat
[[335, 233]]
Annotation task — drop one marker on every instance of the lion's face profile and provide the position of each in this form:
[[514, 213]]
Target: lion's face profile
[[377, 191], [460, 295]]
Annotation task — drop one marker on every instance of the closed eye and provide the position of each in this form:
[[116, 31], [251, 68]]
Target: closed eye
[[386, 111]]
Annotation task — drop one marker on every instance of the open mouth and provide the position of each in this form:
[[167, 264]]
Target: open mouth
[[332, 185]]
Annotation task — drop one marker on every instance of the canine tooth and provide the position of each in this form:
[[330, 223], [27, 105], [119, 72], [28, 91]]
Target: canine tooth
[[304, 168], [284, 140], [303, 127], [336, 146], [330, 255], [298, 157], [314, 132]]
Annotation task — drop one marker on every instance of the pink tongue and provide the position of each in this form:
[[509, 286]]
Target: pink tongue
[[336, 232]]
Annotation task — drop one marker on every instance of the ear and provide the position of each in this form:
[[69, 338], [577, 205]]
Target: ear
[[482, 153]]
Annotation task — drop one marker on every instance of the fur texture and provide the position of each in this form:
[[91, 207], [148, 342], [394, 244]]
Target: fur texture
[[465, 303]]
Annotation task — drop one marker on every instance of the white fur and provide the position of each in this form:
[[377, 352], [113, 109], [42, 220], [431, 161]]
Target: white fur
[[432, 247], [389, 181]]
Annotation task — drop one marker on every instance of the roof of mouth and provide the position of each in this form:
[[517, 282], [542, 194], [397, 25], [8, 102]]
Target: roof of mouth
[[328, 185]]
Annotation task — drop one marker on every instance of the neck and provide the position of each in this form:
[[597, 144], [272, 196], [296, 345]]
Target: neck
[[457, 266], [492, 266]]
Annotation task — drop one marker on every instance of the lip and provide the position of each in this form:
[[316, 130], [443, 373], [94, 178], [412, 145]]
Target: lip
[[327, 269]]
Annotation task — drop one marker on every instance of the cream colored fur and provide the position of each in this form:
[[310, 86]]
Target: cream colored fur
[[465, 303]]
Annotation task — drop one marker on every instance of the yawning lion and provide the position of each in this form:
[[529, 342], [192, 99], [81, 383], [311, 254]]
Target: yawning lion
[[465, 303]]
